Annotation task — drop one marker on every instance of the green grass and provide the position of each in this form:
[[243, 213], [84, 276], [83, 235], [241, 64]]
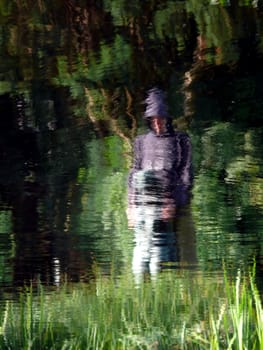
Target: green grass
[[175, 311]]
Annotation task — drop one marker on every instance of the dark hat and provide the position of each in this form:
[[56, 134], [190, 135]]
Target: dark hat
[[156, 104]]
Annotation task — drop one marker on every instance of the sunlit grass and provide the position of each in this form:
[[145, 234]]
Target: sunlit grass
[[175, 311]]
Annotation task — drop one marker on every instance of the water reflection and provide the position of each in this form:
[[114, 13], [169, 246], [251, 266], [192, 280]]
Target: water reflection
[[164, 233], [62, 192], [228, 198], [159, 188]]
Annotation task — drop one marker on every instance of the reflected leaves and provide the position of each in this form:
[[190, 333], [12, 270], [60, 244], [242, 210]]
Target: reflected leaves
[[125, 47], [227, 201]]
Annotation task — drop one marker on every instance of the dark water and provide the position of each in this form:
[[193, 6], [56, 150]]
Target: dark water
[[71, 86], [55, 228]]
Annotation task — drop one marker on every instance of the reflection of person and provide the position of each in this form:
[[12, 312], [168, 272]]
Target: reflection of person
[[159, 182], [162, 155]]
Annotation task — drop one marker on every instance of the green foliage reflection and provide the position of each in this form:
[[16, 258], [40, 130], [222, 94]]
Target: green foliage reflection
[[226, 200]]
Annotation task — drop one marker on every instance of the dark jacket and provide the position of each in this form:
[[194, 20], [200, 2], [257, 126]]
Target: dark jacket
[[162, 165]]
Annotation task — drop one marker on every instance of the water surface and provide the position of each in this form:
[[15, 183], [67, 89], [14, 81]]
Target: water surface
[[72, 82]]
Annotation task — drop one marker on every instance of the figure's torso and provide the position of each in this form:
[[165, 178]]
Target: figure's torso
[[159, 152]]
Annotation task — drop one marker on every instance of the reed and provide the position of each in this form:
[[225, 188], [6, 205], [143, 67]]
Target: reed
[[174, 311], [236, 322]]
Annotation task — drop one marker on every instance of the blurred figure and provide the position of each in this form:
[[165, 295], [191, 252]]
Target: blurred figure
[[159, 185]]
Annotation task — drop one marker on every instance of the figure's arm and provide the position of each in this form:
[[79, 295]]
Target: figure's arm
[[131, 188], [137, 155], [186, 167]]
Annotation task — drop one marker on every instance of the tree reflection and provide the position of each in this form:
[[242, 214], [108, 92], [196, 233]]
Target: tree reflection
[[66, 63]]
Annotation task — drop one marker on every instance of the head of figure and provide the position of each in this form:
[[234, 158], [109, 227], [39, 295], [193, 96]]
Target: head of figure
[[156, 112]]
